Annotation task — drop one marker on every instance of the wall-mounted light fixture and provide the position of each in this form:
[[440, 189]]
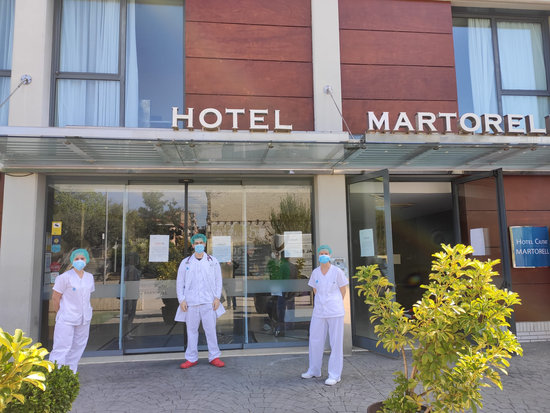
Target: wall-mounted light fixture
[[25, 80]]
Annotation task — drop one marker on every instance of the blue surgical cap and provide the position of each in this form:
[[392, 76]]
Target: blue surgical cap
[[324, 247], [80, 251], [197, 236]]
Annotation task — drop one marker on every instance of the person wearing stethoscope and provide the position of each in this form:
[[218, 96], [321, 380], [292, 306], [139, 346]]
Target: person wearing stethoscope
[[71, 301], [329, 287], [199, 288]]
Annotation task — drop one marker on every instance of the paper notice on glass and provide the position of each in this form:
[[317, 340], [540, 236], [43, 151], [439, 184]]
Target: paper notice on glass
[[478, 240], [221, 248], [366, 239], [158, 248], [293, 244]]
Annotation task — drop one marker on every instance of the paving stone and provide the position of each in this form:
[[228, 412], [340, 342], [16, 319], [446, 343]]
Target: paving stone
[[273, 384]]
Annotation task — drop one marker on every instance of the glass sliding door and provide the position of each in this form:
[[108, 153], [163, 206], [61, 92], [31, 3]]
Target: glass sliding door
[[422, 220], [86, 216], [480, 220], [369, 220], [277, 265], [217, 212], [137, 236], [153, 250]]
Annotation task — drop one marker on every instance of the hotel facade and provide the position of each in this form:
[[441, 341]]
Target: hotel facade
[[380, 127]]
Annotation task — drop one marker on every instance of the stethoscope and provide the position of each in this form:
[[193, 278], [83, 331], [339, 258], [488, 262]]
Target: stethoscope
[[208, 258]]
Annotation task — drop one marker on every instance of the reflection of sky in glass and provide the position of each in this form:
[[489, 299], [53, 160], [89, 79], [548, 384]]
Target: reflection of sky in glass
[[159, 27], [196, 199], [198, 205], [197, 196], [135, 197], [462, 62], [116, 197]]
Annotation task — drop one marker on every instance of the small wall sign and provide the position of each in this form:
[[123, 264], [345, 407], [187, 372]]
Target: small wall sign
[[530, 247], [56, 227]]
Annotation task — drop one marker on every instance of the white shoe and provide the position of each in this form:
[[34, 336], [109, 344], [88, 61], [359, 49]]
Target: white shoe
[[331, 382], [307, 375]]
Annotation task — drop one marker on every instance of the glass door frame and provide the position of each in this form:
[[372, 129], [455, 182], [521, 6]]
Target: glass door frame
[[187, 185], [360, 341], [123, 185], [506, 259]]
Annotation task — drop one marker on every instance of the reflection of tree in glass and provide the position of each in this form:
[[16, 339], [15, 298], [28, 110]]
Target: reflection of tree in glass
[[158, 216], [151, 214], [293, 215], [380, 233], [83, 218]]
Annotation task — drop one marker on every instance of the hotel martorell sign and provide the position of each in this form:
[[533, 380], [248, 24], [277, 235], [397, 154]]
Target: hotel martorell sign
[[425, 122], [210, 119]]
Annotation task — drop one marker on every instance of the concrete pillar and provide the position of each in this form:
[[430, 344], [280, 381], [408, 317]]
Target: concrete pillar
[[32, 52], [331, 228], [21, 254], [325, 39]]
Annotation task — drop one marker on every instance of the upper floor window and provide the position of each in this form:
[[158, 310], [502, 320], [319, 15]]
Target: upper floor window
[[118, 62], [7, 8], [502, 65]]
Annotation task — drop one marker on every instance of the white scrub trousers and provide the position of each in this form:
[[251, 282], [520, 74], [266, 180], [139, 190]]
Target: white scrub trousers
[[69, 343], [206, 314], [317, 336]]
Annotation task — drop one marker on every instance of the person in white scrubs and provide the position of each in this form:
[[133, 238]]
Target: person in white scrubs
[[329, 287], [71, 301], [199, 288]]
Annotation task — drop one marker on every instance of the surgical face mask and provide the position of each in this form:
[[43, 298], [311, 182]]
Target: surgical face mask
[[323, 259], [79, 264], [199, 248]]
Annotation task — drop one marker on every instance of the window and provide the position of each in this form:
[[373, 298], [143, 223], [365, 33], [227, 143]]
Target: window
[[7, 8], [118, 63], [502, 65], [259, 230]]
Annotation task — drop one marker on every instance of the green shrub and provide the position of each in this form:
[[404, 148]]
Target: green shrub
[[20, 364], [62, 387], [459, 336]]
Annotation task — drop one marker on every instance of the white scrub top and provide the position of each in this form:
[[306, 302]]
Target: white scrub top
[[328, 299], [199, 281], [75, 308]]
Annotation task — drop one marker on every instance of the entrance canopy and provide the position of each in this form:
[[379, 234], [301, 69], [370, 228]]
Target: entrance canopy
[[89, 149]]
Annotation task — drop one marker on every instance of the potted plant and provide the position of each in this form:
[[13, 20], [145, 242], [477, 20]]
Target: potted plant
[[20, 364], [62, 387], [458, 334]]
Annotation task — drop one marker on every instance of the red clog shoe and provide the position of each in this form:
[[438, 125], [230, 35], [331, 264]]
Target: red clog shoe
[[188, 364], [217, 362]]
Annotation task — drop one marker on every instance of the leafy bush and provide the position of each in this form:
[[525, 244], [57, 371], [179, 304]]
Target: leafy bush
[[459, 334], [62, 387], [20, 364]]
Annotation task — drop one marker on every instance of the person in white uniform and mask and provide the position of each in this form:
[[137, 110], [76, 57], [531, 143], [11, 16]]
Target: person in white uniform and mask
[[71, 301], [199, 288], [329, 287]]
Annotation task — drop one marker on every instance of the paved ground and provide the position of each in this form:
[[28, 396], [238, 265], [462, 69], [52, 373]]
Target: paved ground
[[272, 383]]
